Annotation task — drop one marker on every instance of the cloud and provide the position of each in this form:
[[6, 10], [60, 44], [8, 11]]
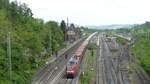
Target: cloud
[[92, 12]]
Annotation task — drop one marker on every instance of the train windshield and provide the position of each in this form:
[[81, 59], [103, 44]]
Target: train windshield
[[69, 68], [71, 63]]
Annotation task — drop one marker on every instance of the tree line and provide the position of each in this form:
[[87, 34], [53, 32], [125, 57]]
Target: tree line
[[142, 46], [32, 41]]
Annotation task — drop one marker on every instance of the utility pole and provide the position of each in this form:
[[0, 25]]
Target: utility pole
[[67, 23], [9, 55], [50, 32], [66, 38]]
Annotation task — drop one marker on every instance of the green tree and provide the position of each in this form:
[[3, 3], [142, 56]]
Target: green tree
[[56, 36], [63, 28], [32, 41], [4, 4]]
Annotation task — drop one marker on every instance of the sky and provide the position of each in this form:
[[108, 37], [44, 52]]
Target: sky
[[91, 12]]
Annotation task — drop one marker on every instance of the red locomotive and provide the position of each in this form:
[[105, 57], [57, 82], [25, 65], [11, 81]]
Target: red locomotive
[[73, 65]]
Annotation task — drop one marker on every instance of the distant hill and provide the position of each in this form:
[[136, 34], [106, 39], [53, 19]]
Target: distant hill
[[113, 26]]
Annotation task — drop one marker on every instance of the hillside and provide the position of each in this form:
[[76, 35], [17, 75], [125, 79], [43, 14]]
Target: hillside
[[141, 48], [113, 26], [30, 41]]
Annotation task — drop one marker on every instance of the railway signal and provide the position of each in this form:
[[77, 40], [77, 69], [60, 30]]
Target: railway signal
[[66, 56]]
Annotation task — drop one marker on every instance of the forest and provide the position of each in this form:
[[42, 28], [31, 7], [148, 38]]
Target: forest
[[30, 40], [141, 48]]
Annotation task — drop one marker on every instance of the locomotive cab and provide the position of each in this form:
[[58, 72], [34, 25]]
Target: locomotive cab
[[71, 68]]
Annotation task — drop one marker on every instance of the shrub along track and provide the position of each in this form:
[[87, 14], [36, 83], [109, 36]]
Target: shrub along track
[[48, 73]]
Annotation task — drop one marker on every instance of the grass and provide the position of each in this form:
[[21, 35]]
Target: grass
[[110, 35], [114, 53], [121, 40], [90, 72]]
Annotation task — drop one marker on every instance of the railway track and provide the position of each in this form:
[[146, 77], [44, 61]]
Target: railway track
[[142, 77], [124, 61], [116, 71], [107, 73], [60, 77], [123, 75], [120, 66], [63, 80], [109, 68], [105, 69], [98, 63], [48, 73], [100, 77], [116, 75]]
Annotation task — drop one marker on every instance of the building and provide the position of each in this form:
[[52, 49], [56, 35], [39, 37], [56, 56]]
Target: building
[[73, 33]]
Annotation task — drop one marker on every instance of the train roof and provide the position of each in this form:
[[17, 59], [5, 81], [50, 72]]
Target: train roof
[[72, 61]]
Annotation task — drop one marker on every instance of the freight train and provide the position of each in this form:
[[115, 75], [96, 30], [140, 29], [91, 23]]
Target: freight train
[[74, 62]]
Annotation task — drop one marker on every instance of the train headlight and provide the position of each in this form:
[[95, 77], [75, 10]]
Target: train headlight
[[72, 71]]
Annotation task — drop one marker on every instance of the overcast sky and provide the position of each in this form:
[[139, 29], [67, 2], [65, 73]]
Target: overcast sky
[[91, 12]]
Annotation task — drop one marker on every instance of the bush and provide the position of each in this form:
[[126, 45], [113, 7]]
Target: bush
[[141, 50], [121, 40]]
